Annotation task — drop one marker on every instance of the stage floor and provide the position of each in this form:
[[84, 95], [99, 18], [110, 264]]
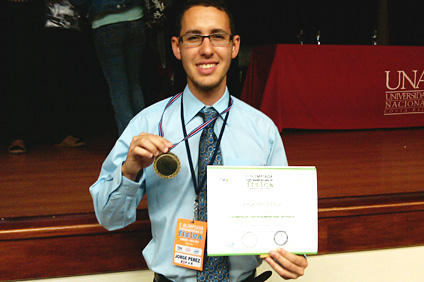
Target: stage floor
[[51, 180]]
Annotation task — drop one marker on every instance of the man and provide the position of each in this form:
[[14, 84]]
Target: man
[[205, 46]]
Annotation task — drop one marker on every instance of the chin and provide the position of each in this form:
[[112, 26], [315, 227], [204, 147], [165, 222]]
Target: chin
[[207, 85]]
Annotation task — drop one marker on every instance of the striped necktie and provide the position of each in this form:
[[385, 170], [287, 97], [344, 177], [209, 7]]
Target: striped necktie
[[214, 268]]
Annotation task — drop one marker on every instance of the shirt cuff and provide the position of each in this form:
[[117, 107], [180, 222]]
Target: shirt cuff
[[126, 186]]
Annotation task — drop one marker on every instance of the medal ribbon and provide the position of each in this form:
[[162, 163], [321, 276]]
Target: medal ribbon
[[170, 102], [194, 131]]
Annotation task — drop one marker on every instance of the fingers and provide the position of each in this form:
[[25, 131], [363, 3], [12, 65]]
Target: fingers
[[149, 145], [286, 264], [143, 149]]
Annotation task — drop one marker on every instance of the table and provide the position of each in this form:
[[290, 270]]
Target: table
[[337, 86]]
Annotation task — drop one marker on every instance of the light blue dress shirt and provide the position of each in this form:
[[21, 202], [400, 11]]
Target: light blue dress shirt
[[250, 139]]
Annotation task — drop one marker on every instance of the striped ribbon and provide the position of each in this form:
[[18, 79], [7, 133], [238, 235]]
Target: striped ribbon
[[194, 131]]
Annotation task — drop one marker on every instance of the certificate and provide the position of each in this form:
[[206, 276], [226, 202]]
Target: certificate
[[253, 210]]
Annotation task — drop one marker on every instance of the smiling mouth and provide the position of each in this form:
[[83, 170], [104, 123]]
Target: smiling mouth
[[206, 66]]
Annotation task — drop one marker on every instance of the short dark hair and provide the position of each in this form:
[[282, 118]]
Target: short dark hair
[[219, 4]]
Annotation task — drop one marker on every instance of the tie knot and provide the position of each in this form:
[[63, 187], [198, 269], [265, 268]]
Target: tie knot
[[208, 113]]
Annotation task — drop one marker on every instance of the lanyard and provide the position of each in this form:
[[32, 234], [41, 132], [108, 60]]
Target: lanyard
[[197, 186], [197, 129]]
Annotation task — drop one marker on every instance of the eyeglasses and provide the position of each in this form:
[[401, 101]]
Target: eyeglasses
[[217, 39]]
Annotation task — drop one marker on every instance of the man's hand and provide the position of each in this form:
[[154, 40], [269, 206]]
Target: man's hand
[[286, 264], [143, 149]]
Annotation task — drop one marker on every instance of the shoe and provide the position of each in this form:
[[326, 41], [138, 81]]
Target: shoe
[[71, 142], [17, 147]]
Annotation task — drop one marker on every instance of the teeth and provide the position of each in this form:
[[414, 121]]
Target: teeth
[[207, 66]]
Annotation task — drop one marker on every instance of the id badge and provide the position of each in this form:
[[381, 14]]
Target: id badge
[[189, 244]]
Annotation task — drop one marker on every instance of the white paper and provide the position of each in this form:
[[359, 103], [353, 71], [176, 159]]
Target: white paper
[[253, 210]]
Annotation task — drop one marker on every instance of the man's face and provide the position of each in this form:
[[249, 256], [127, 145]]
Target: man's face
[[206, 65]]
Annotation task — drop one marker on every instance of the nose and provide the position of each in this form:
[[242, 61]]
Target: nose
[[206, 48]]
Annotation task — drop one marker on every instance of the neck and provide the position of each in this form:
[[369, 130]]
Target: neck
[[207, 96]]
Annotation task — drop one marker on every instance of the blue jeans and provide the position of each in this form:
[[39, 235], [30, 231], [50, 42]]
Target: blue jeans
[[119, 48]]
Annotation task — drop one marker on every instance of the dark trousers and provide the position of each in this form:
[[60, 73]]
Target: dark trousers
[[161, 278]]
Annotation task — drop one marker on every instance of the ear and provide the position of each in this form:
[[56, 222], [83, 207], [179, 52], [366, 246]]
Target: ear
[[175, 41], [236, 46]]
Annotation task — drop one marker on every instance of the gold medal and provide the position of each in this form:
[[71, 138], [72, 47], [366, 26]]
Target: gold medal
[[167, 165]]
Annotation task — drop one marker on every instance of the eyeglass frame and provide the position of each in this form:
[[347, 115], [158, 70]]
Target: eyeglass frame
[[206, 36]]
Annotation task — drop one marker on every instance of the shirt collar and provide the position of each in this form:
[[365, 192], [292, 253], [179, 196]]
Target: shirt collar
[[192, 105]]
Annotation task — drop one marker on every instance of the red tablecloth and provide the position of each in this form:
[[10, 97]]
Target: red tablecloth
[[337, 87]]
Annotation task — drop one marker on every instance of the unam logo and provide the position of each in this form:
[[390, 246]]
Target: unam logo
[[403, 94]]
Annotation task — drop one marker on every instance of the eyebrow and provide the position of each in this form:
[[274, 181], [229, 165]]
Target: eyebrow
[[195, 31]]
